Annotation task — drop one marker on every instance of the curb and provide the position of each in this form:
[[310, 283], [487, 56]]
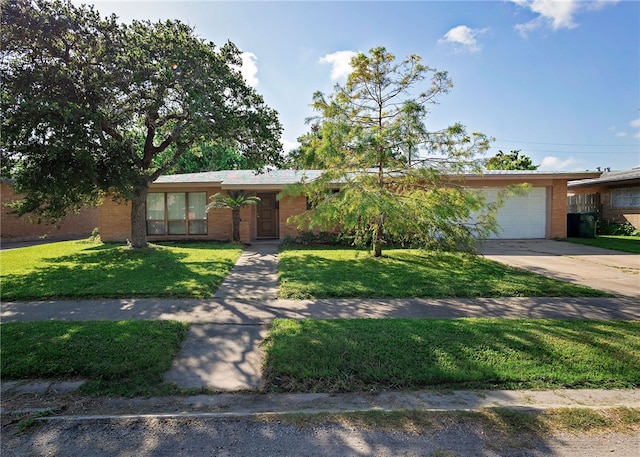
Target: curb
[[228, 405]]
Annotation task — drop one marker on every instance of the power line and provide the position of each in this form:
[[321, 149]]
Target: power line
[[573, 144], [582, 152]]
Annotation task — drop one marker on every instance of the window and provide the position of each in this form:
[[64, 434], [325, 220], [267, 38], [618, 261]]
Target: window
[[628, 197], [197, 216], [155, 214], [176, 213]]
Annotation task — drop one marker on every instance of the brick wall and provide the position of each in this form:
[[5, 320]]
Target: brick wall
[[558, 226], [115, 221], [621, 215], [290, 206], [13, 228]]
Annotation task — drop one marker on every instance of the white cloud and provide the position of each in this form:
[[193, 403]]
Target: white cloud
[[557, 14], [635, 123], [463, 37], [551, 163], [620, 134], [595, 5], [340, 62], [288, 145], [249, 68]]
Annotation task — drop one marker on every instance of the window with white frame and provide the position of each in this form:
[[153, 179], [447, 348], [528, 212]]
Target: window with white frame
[[176, 213], [627, 197]]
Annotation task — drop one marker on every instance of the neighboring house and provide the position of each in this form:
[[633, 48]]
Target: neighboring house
[[175, 206], [14, 228], [616, 195]]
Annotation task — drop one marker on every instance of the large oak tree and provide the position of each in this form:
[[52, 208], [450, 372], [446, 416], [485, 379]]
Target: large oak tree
[[91, 106], [387, 176]]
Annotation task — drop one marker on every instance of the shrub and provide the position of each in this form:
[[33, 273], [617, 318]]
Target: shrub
[[617, 228]]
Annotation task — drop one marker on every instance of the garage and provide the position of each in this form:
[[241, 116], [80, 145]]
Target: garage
[[522, 217]]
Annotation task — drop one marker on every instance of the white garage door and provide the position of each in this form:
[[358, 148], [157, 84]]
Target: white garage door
[[522, 216]]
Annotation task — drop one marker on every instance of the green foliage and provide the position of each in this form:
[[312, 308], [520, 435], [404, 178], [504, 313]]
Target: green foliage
[[323, 238], [90, 106], [617, 228], [386, 177], [234, 200], [87, 269], [213, 157], [511, 161], [380, 354], [322, 272], [128, 355]]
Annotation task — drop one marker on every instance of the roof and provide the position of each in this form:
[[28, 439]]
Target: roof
[[534, 174], [609, 178], [239, 179], [242, 178]]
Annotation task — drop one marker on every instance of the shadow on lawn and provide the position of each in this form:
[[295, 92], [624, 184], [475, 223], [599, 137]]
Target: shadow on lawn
[[114, 271], [338, 355], [402, 275]]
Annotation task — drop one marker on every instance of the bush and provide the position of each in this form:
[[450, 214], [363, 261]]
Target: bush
[[617, 228], [323, 238]]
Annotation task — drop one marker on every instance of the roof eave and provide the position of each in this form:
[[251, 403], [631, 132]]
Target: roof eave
[[605, 182]]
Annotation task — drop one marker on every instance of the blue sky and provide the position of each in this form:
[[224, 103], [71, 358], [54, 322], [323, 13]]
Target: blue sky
[[559, 80]]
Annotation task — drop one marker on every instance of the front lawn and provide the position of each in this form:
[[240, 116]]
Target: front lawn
[[82, 269], [404, 273], [615, 242], [372, 355], [123, 358]]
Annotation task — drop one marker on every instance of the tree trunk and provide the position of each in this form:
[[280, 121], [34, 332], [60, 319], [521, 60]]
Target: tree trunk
[[235, 217], [377, 248], [139, 219], [377, 238]]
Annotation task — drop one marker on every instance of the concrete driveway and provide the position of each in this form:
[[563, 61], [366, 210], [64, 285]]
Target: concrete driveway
[[611, 271]]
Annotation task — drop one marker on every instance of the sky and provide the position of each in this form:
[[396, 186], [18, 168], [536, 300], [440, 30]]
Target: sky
[[557, 80]]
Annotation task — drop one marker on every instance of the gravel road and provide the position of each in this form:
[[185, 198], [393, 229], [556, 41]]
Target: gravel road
[[250, 436]]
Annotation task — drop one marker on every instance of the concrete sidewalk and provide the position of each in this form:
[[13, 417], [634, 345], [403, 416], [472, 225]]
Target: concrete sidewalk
[[247, 312]]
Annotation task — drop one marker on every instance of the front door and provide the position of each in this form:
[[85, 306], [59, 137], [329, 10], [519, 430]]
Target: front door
[[267, 216]]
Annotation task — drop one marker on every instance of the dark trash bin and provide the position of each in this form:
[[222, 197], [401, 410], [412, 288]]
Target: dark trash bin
[[582, 225]]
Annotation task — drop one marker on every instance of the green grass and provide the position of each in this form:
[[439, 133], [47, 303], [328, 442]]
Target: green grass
[[403, 273], [82, 269], [369, 354], [615, 242], [125, 358]]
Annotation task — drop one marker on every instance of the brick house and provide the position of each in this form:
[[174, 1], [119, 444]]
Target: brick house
[[175, 206], [14, 228], [617, 195]]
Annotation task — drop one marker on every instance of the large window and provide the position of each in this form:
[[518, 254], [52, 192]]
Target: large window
[[628, 197], [176, 213]]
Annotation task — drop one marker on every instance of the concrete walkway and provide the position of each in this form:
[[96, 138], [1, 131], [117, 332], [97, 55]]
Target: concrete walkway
[[222, 351]]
